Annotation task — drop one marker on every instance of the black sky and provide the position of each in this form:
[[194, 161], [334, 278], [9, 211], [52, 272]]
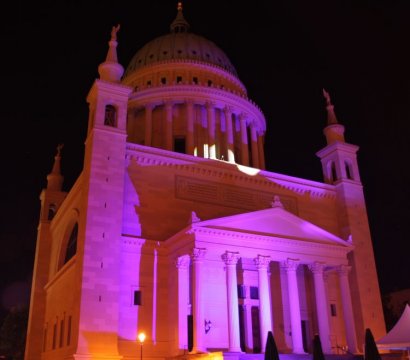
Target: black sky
[[285, 52]]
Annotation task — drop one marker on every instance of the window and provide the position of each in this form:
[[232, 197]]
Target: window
[[334, 173], [54, 335], [254, 292], [72, 244], [241, 291], [137, 297], [61, 342], [45, 339], [209, 82], [333, 310], [195, 80], [163, 80], [51, 211], [110, 118], [69, 331], [179, 79], [149, 83], [348, 171], [179, 145]]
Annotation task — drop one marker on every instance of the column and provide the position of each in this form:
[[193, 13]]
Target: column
[[247, 316], [254, 144], [148, 124], [290, 267], [198, 302], [261, 152], [190, 126], [231, 259], [244, 140], [348, 316], [182, 265], [210, 111], [229, 135], [265, 312], [321, 306], [168, 126]]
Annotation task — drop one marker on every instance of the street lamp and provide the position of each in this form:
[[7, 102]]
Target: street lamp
[[141, 338]]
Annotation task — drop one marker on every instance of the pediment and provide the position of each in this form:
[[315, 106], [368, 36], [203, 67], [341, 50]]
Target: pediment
[[273, 222]]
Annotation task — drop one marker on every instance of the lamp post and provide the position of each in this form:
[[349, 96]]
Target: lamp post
[[141, 338]]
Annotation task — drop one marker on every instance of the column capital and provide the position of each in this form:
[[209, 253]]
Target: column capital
[[228, 110], [343, 270], [210, 105], [168, 104], [262, 261], [182, 262], [317, 267], [290, 265], [243, 116], [149, 106], [189, 101], [230, 257], [198, 254]]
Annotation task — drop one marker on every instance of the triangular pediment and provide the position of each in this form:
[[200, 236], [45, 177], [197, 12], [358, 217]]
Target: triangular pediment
[[273, 222]]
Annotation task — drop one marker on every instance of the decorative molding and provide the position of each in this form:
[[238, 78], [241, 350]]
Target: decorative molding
[[317, 267], [262, 261], [343, 270], [198, 254], [182, 262], [290, 265], [230, 257], [189, 188]]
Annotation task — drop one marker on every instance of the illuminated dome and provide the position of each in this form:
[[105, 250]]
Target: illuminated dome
[[180, 44]]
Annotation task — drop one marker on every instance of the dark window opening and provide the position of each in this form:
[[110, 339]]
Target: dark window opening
[[195, 80], [149, 83], [241, 292], [137, 297], [151, 56], [72, 244], [51, 211], [209, 82], [334, 173], [179, 51], [179, 145], [69, 331], [333, 310], [179, 79], [110, 117], [61, 333], [348, 172], [194, 52], [163, 80], [165, 52], [54, 336], [190, 329], [254, 292]]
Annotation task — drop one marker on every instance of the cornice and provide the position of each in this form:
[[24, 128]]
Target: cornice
[[158, 95], [218, 169]]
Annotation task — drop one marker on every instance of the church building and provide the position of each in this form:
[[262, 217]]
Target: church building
[[174, 228]]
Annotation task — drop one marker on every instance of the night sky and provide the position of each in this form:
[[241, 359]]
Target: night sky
[[284, 51]]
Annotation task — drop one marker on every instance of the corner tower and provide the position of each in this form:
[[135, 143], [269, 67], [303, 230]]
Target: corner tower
[[340, 168], [100, 219]]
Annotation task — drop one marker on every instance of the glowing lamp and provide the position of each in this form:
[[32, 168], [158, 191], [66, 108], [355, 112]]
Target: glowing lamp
[[141, 337]]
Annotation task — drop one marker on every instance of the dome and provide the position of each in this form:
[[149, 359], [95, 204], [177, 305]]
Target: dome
[[180, 45]]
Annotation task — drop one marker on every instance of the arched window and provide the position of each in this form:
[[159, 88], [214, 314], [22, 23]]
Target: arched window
[[110, 118], [72, 244], [333, 171], [51, 211], [348, 168]]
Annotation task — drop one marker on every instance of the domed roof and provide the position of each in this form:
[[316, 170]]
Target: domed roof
[[180, 44]]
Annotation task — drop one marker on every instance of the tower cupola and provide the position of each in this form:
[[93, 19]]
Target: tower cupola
[[110, 69], [333, 131]]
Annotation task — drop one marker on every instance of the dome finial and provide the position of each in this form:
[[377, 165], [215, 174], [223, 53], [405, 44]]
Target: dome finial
[[179, 25]]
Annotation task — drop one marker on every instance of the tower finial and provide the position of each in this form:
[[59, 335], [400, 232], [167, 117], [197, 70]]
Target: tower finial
[[179, 25], [55, 179], [331, 116], [110, 69]]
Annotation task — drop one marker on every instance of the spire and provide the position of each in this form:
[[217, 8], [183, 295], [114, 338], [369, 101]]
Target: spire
[[331, 116], [111, 70], [55, 179], [179, 25], [334, 131]]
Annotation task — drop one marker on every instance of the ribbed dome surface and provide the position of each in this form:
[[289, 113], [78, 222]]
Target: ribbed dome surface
[[180, 46]]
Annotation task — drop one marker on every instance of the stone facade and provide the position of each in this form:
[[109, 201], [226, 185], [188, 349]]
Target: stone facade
[[175, 229]]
